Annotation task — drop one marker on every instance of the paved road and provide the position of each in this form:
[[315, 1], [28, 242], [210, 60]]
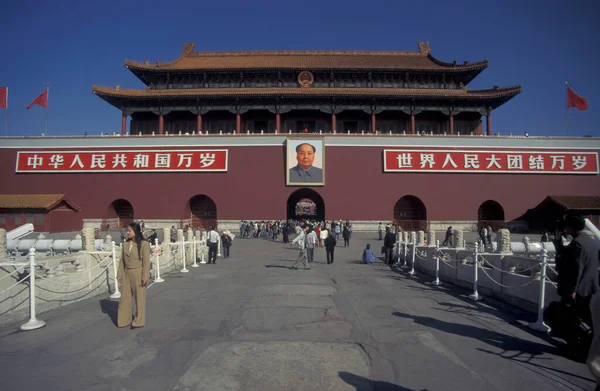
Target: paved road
[[250, 323]]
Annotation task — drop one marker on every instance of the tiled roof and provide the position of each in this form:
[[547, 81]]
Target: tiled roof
[[577, 202], [308, 60], [33, 201], [310, 92]]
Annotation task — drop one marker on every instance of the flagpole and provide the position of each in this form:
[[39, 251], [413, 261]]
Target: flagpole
[[566, 109], [6, 111], [47, 100]]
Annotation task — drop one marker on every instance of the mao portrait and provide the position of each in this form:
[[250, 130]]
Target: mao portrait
[[305, 162]]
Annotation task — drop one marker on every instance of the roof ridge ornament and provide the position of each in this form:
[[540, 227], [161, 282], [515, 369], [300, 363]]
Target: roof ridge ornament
[[188, 48], [424, 48]]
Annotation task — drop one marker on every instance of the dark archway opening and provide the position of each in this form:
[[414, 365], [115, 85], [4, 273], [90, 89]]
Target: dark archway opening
[[305, 204], [203, 212], [490, 213], [410, 214], [120, 213]]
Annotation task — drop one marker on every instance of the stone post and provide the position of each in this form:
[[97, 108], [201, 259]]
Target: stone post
[[108, 243], [89, 238], [503, 239], [420, 238], [526, 242], [458, 238], [167, 234], [190, 239], [404, 236], [2, 243], [431, 238], [413, 236], [179, 235]]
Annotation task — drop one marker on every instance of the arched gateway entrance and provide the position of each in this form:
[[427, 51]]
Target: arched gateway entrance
[[305, 204], [410, 214], [490, 213], [120, 213], [203, 212]]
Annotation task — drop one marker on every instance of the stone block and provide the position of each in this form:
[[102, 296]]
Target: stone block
[[503, 240], [458, 240], [431, 238], [2, 242], [420, 238], [89, 238]]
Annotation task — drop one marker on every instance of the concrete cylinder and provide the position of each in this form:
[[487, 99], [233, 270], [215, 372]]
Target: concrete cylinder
[[179, 235], [458, 238], [2, 243], [413, 237], [404, 236], [89, 238], [431, 238], [503, 239], [420, 238]]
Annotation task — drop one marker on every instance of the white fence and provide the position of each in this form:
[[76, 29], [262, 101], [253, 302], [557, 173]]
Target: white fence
[[39, 284]]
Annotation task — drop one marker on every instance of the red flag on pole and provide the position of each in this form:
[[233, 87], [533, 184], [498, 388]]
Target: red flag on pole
[[574, 100], [3, 97], [41, 100]]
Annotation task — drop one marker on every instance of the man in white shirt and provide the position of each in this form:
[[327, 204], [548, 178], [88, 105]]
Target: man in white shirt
[[311, 242], [213, 245], [301, 240]]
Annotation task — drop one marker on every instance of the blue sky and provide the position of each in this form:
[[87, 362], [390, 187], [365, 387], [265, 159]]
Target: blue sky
[[73, 45]]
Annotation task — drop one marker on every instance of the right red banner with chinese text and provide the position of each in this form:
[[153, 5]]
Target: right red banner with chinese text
[[490, 161]]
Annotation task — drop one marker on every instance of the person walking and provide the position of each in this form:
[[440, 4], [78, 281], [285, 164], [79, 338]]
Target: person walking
[[301, 240], [346, 234], [380, 231], [213, 245], [330, 243], [388, 244], [226, 241], [311, 241], [133, 276]]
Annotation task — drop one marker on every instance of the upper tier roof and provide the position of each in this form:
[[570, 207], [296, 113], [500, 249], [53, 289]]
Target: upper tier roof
[[421, 60]]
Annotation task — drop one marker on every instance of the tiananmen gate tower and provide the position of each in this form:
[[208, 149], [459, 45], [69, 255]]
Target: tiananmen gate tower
[[366, 136]]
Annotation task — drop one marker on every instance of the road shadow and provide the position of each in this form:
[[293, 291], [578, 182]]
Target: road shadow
[[111, 308], [500, 341], [364, 384], [277, 267]]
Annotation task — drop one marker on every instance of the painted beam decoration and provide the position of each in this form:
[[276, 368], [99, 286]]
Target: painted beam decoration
[[490, 161], [188, 160]]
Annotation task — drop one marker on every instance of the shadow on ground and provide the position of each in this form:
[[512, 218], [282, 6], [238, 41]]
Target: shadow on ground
[[363, 384], [111, 308]]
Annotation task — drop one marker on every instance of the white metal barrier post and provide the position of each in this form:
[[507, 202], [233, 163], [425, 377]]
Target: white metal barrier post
[[539, 325], [414, 254], [33, 322], [194, 248], [219, 247], [202, 248], [436, 282], [157, 252], [405, 263], [475, 295], [184, 269], [116, 294]]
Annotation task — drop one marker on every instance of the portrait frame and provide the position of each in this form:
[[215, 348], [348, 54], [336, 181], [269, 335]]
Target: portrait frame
[[291, 161]]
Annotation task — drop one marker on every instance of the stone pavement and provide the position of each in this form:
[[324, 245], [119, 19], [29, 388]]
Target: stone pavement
[[250, 323]]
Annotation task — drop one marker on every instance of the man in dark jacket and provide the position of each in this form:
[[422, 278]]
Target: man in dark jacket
[[330, 243], [578, 268], [388, 244]]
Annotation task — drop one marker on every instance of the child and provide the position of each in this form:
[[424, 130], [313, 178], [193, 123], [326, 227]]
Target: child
[[368, 256]]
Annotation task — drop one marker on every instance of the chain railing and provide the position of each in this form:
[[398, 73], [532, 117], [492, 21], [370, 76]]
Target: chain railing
[[179, 255], [441, 256]]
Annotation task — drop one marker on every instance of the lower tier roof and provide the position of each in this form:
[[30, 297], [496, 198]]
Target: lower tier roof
[[416, 93]]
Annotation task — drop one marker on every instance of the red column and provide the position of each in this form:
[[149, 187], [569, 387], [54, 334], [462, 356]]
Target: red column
[[277, 122], [451, 124], [124, 124], [199, 122], [373, 123], [333, 122], [488, 123], [161, 124], [412, 123], [238, 123]]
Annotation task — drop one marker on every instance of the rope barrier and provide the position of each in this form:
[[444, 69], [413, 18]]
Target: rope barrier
[[15, 284], [507, 271]]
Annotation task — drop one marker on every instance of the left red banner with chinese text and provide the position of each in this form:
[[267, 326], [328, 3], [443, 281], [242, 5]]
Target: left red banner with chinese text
[[213, 160]]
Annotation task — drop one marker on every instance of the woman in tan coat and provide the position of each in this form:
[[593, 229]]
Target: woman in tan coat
[[133, 275]]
